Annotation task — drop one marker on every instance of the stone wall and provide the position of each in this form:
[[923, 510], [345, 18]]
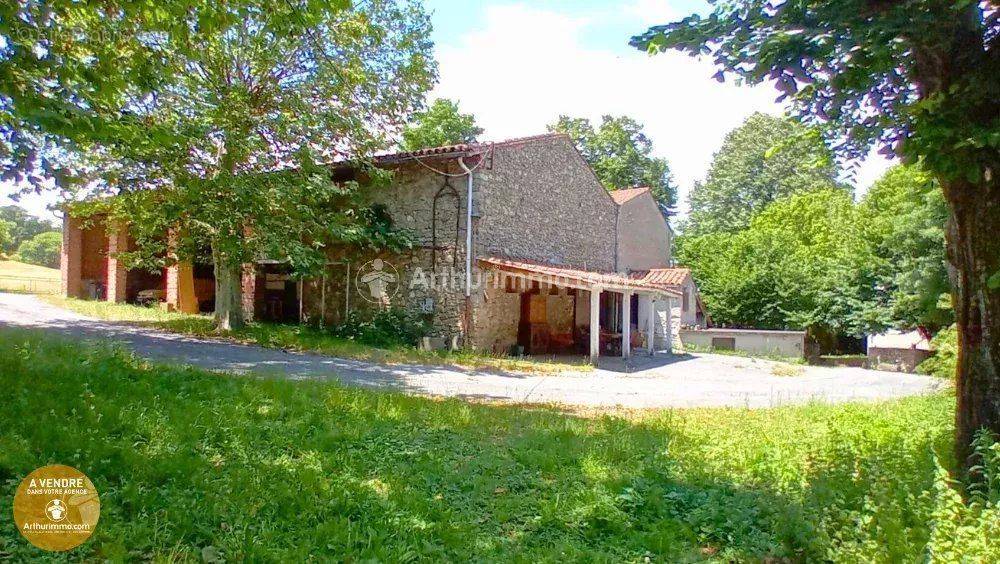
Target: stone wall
[[897, 360], [541, 201], [533, 199], [497, 317], [538, 200], [643, 235]]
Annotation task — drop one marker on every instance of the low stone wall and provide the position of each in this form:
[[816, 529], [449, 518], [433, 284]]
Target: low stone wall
[[896, 360], [753, 341]]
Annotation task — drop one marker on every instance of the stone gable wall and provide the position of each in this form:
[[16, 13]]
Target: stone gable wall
[[643, 235], [541, 201]]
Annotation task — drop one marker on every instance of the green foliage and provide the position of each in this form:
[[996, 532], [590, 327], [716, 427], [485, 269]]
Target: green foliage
[[384, 327], [965, 529], [796, 265], [761, 161], [42, 249], [621, 155], [71, 72], [903, 217], [816, 259], [22, 226], [918, 79], [945, 360], [230, 143], [440, 124], [264, 469], [5, 234]]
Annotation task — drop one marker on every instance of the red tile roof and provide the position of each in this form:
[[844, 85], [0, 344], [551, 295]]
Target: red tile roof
[[663, 276], [626, 194], [563, 275]]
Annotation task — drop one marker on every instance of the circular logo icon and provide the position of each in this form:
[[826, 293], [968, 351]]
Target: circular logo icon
[[56, 507], [377, 281]]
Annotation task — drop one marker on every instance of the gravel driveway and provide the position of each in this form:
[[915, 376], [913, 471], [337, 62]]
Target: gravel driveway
[[662, 381]]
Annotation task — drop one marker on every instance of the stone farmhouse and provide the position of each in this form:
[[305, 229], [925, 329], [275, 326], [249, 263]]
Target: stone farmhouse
[[520, 249]]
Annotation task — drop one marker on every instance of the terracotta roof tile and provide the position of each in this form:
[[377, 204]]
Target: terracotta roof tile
[[571, 275], [626, 194], [663, 276]]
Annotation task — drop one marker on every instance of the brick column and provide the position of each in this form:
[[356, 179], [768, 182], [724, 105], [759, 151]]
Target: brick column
[[70, 266], [249, 283], [117, 273]]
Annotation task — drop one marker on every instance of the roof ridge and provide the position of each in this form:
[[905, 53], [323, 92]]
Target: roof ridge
[[466, 147]]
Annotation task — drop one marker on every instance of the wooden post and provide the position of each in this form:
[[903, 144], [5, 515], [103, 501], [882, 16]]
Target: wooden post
[[595, 324], [626, 324], [651, 325]]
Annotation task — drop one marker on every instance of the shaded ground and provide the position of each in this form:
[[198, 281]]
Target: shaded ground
[[662, 381]]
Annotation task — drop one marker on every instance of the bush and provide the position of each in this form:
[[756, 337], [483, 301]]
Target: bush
[[384, 327], [42, 249], [945, 360]]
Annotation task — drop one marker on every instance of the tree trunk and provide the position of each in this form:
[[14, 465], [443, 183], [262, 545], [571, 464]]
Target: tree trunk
[[228, 295], [973, 238]]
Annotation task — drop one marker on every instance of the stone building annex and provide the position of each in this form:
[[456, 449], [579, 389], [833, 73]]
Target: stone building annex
[[558, 265]]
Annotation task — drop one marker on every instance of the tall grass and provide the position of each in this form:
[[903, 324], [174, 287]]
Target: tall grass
[[247, 469]]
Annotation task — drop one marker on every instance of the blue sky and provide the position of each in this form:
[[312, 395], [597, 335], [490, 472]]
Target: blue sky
[[517, 65], [611, 30]]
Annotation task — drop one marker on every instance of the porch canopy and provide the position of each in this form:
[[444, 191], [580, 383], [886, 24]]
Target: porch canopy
[[646, 284]]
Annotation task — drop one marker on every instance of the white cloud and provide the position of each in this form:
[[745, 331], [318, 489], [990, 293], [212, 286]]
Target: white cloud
[[524, 66], [35, 203]]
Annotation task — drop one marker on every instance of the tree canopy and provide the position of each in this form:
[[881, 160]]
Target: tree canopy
[[227, 146], [764, 159], [621, 155], [440, 124], [918, 79], [23, 226], [42, 249], [816, 259], [902, 219]]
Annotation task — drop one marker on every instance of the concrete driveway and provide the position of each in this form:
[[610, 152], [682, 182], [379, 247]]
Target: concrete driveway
[[690, 380]]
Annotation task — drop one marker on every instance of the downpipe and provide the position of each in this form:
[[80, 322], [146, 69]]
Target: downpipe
[[468, 249]]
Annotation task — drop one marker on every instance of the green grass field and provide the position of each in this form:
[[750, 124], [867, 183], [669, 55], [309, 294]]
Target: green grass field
[[190, 464], [22, 277], [308, 338]]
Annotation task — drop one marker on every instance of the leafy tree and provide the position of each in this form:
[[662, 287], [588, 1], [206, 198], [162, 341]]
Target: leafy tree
[[441, 124], [5, 228], [23, 226], [249, 98], [800, 263], [919, 79], [903, 217], [621, 155], [42, 249], [764, 159], [68, 68]]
